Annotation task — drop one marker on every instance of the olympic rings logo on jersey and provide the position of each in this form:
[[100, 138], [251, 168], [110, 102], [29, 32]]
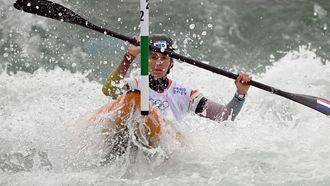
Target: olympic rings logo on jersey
[[161, 105]]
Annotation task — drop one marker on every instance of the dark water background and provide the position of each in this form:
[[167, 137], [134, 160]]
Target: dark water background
[[249, 35]]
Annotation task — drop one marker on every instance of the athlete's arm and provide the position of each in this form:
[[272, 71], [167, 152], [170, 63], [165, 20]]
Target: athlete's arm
[[110, 86], [215, 111]]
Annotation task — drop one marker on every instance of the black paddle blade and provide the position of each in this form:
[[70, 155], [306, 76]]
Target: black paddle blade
[[51, 10]]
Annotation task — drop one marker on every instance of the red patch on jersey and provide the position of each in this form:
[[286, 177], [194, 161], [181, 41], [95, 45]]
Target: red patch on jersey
[[193, 92]]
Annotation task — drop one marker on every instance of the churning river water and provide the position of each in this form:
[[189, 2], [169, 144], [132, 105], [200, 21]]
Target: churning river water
[[51, 75]]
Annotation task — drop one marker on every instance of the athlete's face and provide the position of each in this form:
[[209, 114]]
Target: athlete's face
[[158, 64]]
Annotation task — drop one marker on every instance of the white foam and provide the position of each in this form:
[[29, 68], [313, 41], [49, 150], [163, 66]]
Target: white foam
[[273, 140]]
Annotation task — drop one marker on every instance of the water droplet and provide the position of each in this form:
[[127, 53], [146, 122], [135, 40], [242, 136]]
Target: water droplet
[[60, 14], [204, 33], [210, 25], [5, 55], [119, 19], [192, 26], [29, 4], [74, 65], [325, 27], [37, 7]]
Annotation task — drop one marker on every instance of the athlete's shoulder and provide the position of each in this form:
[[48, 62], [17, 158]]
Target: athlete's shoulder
[[194, 92]]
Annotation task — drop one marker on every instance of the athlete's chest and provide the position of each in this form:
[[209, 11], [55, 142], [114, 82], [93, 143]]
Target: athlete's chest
[[175, 99], [160, 101]]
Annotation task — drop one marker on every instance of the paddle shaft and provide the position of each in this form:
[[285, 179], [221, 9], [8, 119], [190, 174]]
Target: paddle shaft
[[182, 58], [309, 101]]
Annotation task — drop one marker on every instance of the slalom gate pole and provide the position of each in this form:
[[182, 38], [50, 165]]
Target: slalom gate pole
[[144, 23]]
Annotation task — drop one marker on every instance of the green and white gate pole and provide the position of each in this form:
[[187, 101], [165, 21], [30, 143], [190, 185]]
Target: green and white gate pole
[[144, 22]]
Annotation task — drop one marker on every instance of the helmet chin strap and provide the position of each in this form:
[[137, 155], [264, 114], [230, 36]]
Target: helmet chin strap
[[170, 67], [158, 84]]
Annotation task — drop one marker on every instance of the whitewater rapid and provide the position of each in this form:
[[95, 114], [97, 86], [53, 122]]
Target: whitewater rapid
[[274, 141]]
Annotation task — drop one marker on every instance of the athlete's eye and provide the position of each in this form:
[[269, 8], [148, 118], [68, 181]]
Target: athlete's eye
[[153, 57]]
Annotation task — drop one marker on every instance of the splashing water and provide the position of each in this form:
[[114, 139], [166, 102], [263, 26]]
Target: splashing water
[[44, 141]]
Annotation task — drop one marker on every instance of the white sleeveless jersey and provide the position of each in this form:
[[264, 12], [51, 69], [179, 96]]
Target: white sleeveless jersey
[[176, 100]]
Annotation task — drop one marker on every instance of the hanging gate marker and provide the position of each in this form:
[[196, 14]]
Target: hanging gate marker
[[144, 22]]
